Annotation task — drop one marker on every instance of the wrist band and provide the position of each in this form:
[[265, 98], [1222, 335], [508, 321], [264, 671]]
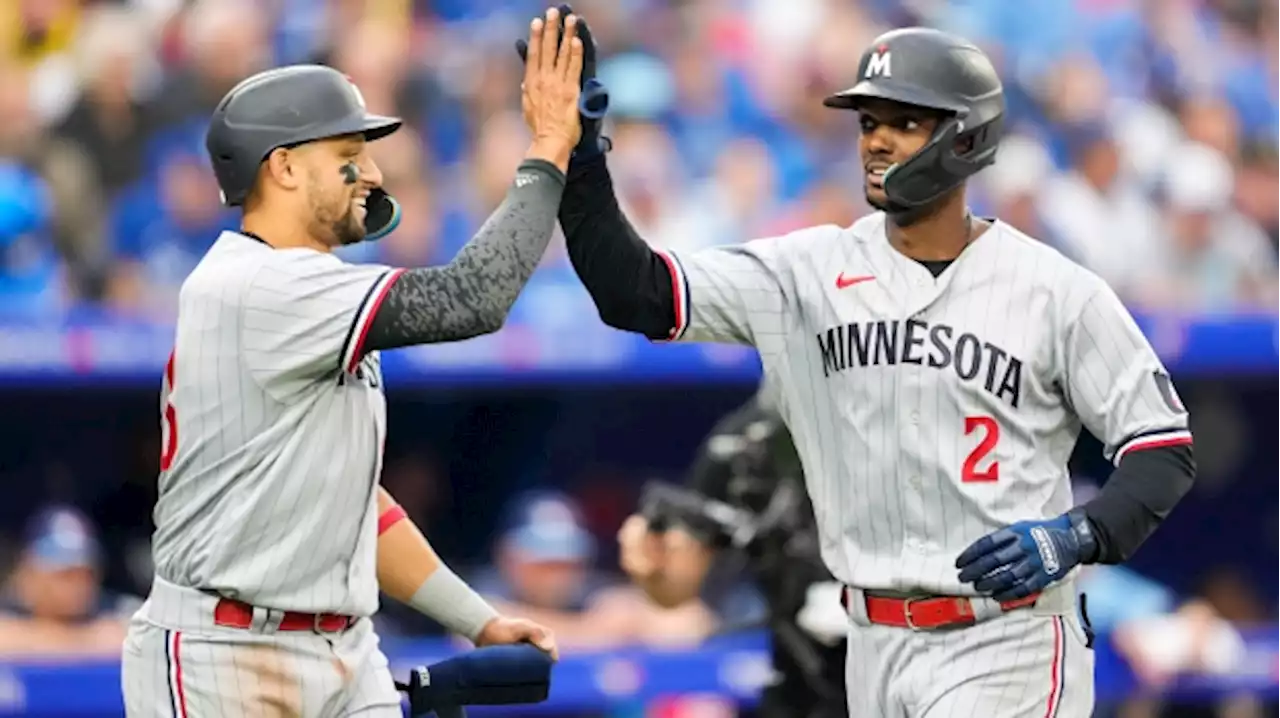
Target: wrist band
[[390, 518], [449, 601]]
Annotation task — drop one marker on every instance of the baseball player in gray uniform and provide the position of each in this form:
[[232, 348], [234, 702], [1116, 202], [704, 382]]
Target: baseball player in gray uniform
[[273, 536], [935, 370]]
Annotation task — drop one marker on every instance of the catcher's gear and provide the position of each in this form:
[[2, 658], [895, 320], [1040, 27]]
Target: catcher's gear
[[593, 101], [494, 675], [939, 71], [287, 107]]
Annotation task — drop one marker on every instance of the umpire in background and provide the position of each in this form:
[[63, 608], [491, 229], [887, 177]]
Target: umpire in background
[[745, 493]]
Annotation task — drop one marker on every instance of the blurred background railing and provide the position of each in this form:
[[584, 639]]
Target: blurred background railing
[[1143, 144]]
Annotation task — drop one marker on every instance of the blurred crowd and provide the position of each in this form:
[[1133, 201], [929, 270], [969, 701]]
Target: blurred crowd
[[1142, 133], [1142, 141]]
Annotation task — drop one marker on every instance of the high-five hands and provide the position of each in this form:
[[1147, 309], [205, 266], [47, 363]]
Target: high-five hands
[[593, 100], [551, 87]]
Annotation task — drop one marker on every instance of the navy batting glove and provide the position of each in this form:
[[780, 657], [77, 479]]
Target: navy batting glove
[[593, 101], [493, 675], [1022, 559]]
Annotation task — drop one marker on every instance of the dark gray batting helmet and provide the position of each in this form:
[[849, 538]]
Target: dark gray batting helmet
[[287, 107], [933, 69]]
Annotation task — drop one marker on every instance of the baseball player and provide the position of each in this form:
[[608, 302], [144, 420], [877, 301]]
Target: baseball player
[[935, 370], [273, 536]]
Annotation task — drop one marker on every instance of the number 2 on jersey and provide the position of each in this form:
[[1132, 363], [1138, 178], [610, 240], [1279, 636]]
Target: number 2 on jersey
[[990, 435], [169, 420]]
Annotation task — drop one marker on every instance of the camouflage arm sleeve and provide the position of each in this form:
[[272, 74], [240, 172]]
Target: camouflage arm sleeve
[[472, 295]]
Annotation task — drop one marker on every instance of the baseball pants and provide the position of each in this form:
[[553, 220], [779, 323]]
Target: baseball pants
[[178, 664], [1025, 663]]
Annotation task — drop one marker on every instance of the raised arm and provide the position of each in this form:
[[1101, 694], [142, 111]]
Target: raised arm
[[736, 294], [473, 294]]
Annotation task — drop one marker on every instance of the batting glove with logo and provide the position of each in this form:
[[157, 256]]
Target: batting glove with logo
[[1022, 559], [593, 101]]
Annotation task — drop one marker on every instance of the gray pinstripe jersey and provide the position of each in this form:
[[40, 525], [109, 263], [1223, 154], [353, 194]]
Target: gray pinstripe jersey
[[273, 421], [928, 412]]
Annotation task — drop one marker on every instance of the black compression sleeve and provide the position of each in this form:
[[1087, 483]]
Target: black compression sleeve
[[1140, 493], [629, 282]]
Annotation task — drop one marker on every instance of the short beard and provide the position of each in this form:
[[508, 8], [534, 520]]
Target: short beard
[[333, 226]]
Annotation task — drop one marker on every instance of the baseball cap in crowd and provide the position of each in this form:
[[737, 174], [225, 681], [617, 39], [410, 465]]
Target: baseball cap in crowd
[[60, 537], [547, 526]]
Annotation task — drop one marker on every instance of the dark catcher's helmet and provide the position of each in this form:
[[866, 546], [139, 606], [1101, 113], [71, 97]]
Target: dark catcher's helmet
[[287, 107], [932, 69]]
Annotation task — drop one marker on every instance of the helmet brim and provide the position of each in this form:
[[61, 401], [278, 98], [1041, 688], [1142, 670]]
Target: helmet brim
[[375, 127], [371, 127], [853, 97]]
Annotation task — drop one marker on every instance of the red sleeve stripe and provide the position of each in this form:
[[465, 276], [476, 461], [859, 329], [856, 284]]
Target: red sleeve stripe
[[1177, 437], [391, 517], [679, 295], [364, 319]]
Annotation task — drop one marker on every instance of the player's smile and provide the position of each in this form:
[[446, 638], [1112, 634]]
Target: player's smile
[[358, 207], [875, 173]]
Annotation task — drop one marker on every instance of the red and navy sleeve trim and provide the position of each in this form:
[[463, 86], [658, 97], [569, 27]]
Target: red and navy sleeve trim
[[1155, 439], [353, 347], [679, 294]]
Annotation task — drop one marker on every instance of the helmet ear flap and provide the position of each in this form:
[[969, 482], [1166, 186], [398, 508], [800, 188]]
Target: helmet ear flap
[[940, 166], [984, 142], [924, 176]]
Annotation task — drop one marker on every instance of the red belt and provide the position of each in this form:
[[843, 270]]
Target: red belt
[[238, 614], [926, 612]]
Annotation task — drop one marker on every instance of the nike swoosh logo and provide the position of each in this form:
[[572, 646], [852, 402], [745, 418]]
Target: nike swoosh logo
[[843, 282]]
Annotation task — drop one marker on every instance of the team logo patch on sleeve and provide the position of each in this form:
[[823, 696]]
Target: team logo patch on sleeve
[[1165, 385]]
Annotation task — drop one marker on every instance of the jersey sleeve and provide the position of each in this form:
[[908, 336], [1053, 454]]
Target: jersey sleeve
[[305, 317], [1114, 380], [736, 294]]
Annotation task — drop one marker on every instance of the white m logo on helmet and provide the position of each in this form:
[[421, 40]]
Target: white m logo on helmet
[[878, 64]]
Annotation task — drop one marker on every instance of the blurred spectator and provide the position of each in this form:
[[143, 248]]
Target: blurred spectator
[[35, 30], [377, 54], [161, 227], [1210, 121], [1234, 597], [54, 604], [1257, 186], [114, 66], [1009, 189], [222, 42], [49, 204], [1099, 215], [542, 570], [1215, 259], [471, 191], [735, 204], [40, 35]]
